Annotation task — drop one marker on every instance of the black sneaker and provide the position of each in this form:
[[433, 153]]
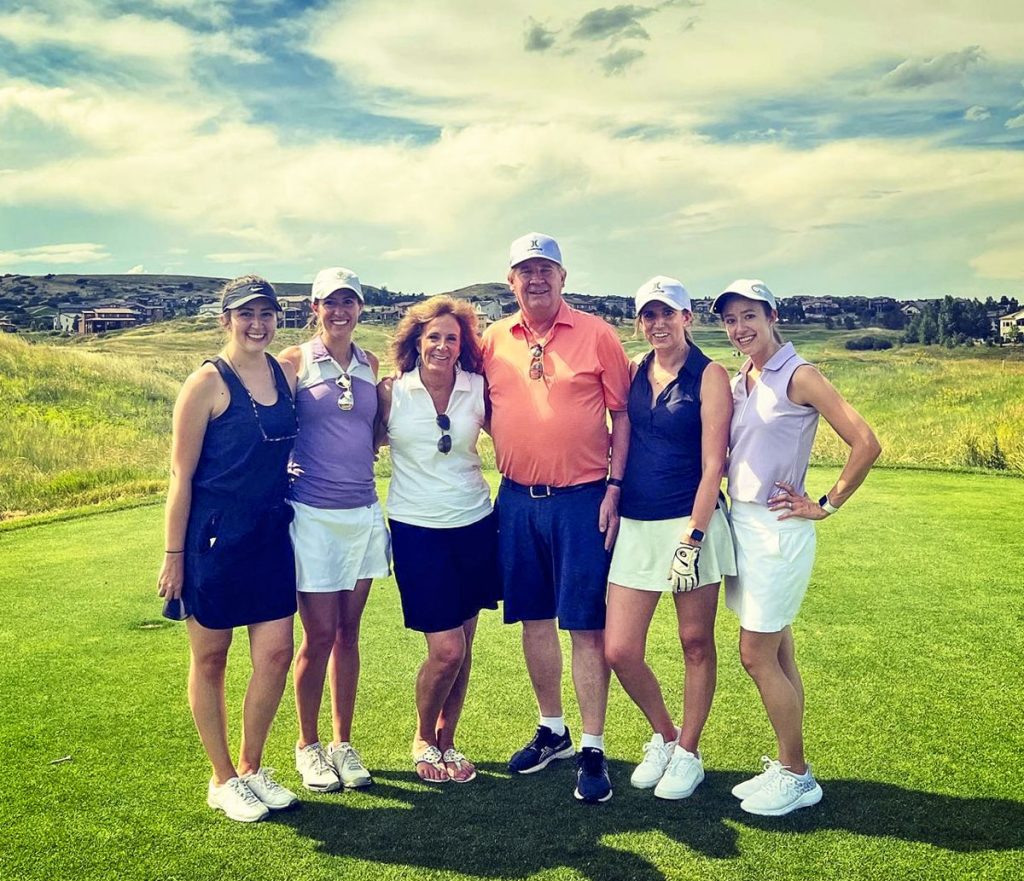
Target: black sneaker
[[545, 747], [593, 785]]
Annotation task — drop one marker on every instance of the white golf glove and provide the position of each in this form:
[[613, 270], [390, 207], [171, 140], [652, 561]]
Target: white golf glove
[[684, 574]]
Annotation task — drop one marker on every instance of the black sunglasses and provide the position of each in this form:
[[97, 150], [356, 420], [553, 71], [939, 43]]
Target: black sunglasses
[[444, 442]]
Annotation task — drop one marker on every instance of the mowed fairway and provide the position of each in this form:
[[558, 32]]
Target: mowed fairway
[[910, 642]]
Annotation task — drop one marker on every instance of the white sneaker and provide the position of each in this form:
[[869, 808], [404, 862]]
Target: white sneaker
[[784, 792], [349, 766], [268, 790], [657, 755], [683, 775], [748, 787], [317, 772], [236, 800]]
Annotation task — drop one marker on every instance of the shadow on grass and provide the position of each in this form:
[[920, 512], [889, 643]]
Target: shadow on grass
[[497, 827]]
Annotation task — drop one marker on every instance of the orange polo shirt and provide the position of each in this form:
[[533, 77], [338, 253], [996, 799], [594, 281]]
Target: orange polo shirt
[[554, 430]]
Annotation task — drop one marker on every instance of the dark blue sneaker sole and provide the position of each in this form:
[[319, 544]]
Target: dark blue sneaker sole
[[592, 801], [566, 753]]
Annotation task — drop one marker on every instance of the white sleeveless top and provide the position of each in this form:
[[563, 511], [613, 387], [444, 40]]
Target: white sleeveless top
[[429, 488]]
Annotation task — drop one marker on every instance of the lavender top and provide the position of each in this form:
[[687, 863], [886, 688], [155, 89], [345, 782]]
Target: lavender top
[[771, 437], [334, 449]]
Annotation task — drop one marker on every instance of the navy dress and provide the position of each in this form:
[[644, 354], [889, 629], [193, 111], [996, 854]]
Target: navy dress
[[239, 565]]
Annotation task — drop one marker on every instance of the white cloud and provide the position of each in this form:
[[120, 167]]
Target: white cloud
[[914, 74], [137, 269], [129, 36], [1015, 122], [1002, 260], [77, 252], [977, 113]]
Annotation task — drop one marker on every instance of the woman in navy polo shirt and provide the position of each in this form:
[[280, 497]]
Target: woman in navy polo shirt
[[673, 535]]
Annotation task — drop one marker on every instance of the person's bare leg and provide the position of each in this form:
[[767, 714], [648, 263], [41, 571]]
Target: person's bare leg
[[787, 660], [446, 651], [625, 642], [209, 658], [319, 613], [759, 653], [270, 647], [451, 711], [696, 610], [590, 676], [543, 653], [344, 663]]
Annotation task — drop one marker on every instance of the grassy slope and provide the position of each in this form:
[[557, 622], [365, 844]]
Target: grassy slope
[[909, 642], [88, 421]]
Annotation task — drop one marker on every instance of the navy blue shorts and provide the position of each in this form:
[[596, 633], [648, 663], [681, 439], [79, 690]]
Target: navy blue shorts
[[552, 557], [445, 576]]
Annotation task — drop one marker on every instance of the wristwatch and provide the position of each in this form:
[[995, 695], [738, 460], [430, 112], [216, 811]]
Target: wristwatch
[[696, 534], [615, 481], [826, 505]]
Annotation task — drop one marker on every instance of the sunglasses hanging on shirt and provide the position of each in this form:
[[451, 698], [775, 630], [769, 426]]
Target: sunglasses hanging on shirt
[[444, 442], [347, 400]]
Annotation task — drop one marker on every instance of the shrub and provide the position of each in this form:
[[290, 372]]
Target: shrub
[[867, 343]]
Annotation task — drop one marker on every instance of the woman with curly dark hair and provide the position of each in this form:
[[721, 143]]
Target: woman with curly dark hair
[[443, 531]]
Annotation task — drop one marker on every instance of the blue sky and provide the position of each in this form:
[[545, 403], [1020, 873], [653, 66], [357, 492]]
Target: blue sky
[[829, 148]]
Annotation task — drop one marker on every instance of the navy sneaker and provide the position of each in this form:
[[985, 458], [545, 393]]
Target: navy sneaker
[[593, 785], [545, 747]]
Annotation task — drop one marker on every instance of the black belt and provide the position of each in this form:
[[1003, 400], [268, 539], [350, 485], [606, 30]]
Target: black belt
[[543, 490]]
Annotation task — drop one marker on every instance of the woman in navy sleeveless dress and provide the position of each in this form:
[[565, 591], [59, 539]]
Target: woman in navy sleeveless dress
[[673, 534], [228, 560]]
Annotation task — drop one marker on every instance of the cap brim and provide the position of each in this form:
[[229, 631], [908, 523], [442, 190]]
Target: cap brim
[[248, 298], [655, 299], [358, 294]]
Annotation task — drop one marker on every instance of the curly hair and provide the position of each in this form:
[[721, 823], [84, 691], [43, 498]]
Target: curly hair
[[404, 347]]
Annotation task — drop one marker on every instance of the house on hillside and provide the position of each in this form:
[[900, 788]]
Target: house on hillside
[[102, 319], [488, 311], [7, 326], [1011, 327], [380, 314], [295, 311]]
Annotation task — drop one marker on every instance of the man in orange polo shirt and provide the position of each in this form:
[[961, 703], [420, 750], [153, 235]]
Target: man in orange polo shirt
[[554, 375]]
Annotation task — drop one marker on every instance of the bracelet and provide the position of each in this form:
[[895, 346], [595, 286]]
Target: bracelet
[[826, 505], [175, 552], [615, 481]]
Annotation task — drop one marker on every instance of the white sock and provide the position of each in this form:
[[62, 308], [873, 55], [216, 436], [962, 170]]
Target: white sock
[[555, 723], [595, 741]]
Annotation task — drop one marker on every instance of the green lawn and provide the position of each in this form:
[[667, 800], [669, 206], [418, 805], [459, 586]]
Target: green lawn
[[910, 643]]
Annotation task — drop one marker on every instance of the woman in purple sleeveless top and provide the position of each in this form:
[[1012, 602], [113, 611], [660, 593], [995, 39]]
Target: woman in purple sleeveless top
[[341, 542], [228, 561], [777, 399]]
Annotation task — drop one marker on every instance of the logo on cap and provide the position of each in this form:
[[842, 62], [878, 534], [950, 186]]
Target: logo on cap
[[657, 288], [760, 289], [535, 245]]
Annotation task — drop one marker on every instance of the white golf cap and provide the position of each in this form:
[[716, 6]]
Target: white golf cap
[[669, 291], [534, 244], [751, 288], [335, 278]]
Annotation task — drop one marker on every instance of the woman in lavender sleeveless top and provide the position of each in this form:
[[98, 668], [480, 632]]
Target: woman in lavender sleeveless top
[[341, 542], [228, 561], [777, 399]]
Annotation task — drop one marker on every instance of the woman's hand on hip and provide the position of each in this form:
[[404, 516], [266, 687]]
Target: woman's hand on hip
[[788, 503]]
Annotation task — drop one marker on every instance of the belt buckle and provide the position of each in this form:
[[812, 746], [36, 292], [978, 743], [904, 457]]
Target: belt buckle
[[546, 491]]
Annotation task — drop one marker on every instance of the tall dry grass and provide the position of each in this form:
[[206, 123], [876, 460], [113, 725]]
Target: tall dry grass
[[88, 421]]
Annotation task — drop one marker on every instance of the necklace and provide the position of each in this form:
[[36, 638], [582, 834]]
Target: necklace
[[255, 410]]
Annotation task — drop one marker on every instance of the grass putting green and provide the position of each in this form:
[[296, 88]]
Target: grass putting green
[[909, 642]]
